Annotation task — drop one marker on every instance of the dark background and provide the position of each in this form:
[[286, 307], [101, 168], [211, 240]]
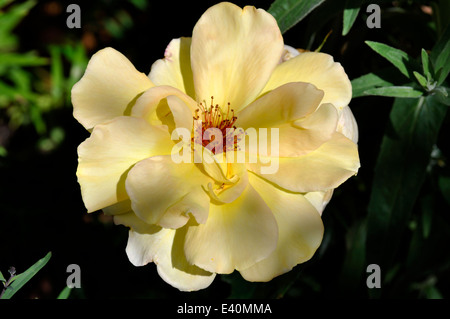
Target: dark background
[[41, 209]]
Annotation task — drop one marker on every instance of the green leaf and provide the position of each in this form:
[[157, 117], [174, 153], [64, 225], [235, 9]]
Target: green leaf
[[78, 62], [140, 4], [13, 93], [354, 264], [37, 120], [14, 15], [2, 278], [9, 59], [21, 79], [394, 91], [372, 80], [401, 60], [440, 56], [421, 79], [57, 74], [426, 66], [289, 12], [24, 277], [399, 173], [444, 186], [443, 95], [4, 3], [427, 215], [3, 151], [351, 11], [433, 292], [64, 294]]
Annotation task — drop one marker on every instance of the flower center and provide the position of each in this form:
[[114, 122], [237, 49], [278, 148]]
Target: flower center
[[215, 128]]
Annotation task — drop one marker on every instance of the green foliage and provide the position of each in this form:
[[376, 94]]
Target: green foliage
[[26, 98], [394, 91], [351, 11], [15, 282], [290, 12], [441, 57], [405, 153], [400, 172], [372, 81], [65, 293], [402, 61]]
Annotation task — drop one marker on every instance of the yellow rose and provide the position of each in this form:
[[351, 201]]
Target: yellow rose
[[193, 219]]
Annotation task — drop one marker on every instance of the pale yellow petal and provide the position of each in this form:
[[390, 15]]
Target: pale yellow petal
[[214, 165], [238, 176], [164, 247], [130, 220], [235, 236], [119, 208], [288, 121], [308, 134], [166, 105], [322, 169], [233, 53], [347, 124], [112, 149], [288, 53], [165, 193], [300, 231], [175, 69], [318, 69], [230, 176], [283, 105], [298, 137], [108, 88], [319, 199]]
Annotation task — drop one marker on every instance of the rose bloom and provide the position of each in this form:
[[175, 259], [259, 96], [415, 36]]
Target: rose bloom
[[198, 219]]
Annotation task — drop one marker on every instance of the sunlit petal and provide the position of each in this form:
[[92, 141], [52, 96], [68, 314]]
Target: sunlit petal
[[165, 193], [233, 53], [108, 88], [107, 155], [175, 68], [318, 69], [236, 235], [325, 168], [164, 247], [300, 231]]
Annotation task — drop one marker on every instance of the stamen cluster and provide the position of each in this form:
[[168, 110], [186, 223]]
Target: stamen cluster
[[212, 117]]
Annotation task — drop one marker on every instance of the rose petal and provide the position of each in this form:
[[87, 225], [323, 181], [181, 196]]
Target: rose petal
[[300, 231], [319, 199], [175, 69], [107, 89], [107, 155], [165, 105], [164, 247], [318, 69], [347, 124], [233, 53], [235, 236], [165, 193], [284, 104], [322, 169]]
